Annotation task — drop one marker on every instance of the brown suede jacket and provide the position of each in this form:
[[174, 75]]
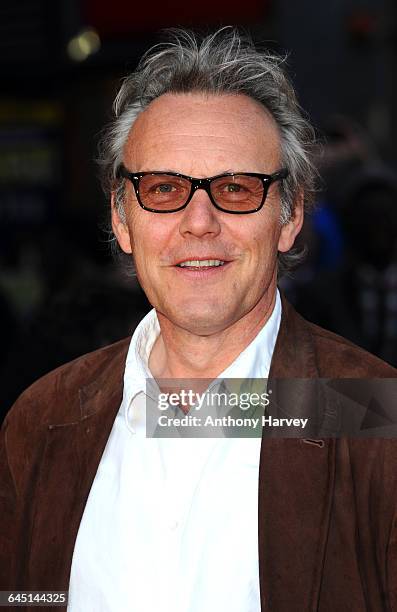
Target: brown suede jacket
[[327, 508]]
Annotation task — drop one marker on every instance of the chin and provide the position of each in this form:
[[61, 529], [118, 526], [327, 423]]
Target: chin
[[203, 319]]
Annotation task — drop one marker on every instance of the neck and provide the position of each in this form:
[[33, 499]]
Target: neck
[[178, 353]]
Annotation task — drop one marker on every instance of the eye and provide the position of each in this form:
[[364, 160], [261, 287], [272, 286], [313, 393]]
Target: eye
[[232, 187], [163, 188], [226, 188]]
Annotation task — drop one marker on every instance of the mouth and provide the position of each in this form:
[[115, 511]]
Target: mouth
[[201, 264], [202, 269]]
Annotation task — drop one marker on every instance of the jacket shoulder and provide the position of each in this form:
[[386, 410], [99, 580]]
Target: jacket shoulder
[[56, 394], [338, 357]]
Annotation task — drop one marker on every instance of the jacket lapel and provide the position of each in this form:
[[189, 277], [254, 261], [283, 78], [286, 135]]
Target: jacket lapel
[[295, 484], [71, 457]]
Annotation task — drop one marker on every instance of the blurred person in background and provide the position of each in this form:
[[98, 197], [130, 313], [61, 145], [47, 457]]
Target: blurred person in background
[[358, 297], [344, 151], [208, 166]]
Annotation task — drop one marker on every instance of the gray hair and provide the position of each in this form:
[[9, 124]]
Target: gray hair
[[222, 63]]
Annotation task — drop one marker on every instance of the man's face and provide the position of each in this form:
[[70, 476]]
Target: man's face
[[203, 136]]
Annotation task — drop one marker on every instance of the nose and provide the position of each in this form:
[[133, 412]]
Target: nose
[[200, 217]]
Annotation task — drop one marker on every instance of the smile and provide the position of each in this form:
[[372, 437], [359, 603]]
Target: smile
[[201, 263]]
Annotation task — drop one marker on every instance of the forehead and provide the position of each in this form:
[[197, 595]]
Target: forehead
[[204, 132]]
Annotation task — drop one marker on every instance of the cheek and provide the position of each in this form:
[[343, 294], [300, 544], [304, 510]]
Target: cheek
[[146, 233], [266, 257], [266, 242], [150, 240]]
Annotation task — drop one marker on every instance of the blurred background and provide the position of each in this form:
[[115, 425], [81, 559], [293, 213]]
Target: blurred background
[[61, 295]]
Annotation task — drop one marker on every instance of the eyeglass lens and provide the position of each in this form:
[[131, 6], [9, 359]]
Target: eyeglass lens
[[234, 193]]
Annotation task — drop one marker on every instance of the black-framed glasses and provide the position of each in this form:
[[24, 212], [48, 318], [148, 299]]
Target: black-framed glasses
[[236, 193]]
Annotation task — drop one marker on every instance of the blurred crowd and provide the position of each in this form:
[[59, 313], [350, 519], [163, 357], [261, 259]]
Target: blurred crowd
[[348, 283], [61, 295]]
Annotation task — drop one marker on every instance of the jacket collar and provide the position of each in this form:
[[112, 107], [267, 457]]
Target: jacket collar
[[294, 353], [293, 357]]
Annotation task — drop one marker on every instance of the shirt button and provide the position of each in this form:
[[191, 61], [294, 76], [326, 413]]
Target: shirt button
[[174, 525]]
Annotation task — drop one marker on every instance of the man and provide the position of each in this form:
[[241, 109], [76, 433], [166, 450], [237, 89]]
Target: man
[[208, 166]]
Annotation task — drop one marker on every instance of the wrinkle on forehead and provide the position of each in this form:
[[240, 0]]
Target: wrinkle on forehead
[[214, 130]]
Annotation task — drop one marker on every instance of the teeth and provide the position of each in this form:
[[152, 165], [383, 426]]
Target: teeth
[[195, 263]]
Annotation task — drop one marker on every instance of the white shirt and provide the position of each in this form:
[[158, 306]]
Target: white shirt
[[171, 524]]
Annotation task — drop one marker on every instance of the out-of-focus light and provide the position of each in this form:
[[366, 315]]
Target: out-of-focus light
[[83, 45]]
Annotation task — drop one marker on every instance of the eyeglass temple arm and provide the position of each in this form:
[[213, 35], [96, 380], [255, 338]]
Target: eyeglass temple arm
[[122, 172], [279, 175]]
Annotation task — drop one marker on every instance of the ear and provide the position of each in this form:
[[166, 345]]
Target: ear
[[290, 230], [120, 229]]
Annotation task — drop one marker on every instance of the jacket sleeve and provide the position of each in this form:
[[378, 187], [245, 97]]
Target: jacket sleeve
[[392, 566], [8, 512], [17, 443]]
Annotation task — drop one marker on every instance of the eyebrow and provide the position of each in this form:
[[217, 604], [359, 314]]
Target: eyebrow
[[228, 171]]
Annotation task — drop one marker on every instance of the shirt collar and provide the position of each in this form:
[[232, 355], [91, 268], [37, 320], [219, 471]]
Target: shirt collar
[[253, 361], [137, 362]]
